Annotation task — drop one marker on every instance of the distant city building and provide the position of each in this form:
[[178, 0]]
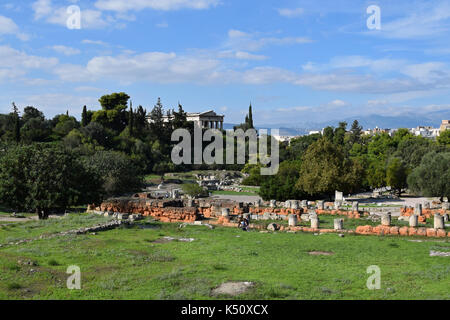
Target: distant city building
[[377, 130], [207, 119], [425, 131], [445, 125], [283, 138], [420, 131]]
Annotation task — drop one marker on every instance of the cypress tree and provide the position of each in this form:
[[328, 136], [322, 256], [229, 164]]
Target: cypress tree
[[131, 119], [16, 131], [250, 117], [84, 117]]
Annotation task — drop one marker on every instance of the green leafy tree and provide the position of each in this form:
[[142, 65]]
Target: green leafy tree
[[376, 173], [112, 101], [339, 133], [325, 169], [328, 133], [113, 114], [355, 133], [180, 118], [396, 174], [119, 174], [282, 186], [96, 134], [411, 150], [141, 123], [73, 140], [40, 177], [65, 124], [32, 113], [432, 177], [35, 130], [254, 178], [444, 138], [298, 146], [157, 126], [194, 190]]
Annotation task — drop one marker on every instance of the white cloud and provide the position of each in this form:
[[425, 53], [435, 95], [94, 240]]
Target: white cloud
[[8, 26], [68, 51], [291, 13], [42, 8], [295, 109], [162, 25], [252, 42], [338, 103], [241, 55], [14, 59], [15, 65], [366, 75], [96, 42], [88, 89], [264, 75], [376, 65], [427, 72], [330, 106], [157, 67], [73, 73], [427, 19], [163, 67], [162, 5]]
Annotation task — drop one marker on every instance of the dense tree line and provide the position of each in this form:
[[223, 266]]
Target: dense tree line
[[315, 166], [73, 162], [61, 162]]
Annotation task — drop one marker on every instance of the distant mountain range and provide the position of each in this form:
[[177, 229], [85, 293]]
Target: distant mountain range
[[407, 120]]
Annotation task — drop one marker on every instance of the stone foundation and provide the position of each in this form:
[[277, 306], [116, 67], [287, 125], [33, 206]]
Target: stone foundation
[[403, 231], [176, 210]]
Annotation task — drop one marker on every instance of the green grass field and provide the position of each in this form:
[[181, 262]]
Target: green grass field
[[126, 263]]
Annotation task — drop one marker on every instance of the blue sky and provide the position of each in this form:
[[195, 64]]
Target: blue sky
[[294, 60]]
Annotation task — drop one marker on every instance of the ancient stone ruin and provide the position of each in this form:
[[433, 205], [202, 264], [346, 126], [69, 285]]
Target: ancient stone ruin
[[227, 213]]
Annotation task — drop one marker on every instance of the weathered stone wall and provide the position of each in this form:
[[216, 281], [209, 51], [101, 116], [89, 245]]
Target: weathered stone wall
[[403, 231], [163, 210], [426, 213], [280, 211]]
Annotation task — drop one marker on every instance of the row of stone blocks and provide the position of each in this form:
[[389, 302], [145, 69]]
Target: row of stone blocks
[[439, 220], [118, 215], [419, 209], [319, 204], [314, 220]]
